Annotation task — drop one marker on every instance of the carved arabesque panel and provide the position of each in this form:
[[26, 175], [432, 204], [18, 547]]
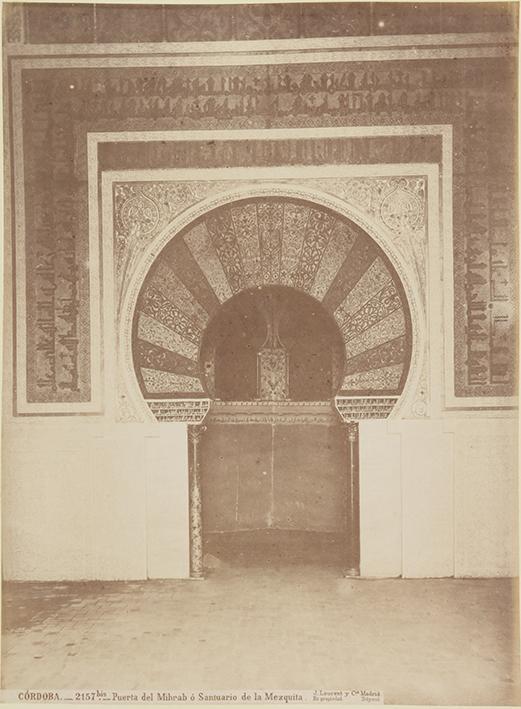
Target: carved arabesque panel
[[266, 244]]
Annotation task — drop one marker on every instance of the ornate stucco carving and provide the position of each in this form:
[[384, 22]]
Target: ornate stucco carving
[[272, 412], [179, 410], [367, 407], [144, 210]]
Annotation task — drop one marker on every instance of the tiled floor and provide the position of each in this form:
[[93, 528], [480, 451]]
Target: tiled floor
[[419, 641]]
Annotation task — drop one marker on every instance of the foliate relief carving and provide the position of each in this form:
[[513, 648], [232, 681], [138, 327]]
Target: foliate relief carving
[[282, 240], [382, 378], [402, 207], [136, 216], [364, 193], [156, 306], [273, 374], [173, 197], [157, 382], [266, 21], [371, 282], [140, 212], [376, 309], [222, 234], [318, 234], [379, 334], [398, 203], [165, 280], [150, 356], [142, 209], [151, 330], [270, 220], [340, 244], [195, 433], [295, 220], [164, 410], [403, 211], [200, 245], [246, 228], [360, 257], [385, 355]]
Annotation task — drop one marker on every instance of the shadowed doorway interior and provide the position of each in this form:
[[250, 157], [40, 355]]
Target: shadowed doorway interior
[[274, 457]]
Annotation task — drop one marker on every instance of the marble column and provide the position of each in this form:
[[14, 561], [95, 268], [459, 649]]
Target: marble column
[[196, 520], [353, 503]]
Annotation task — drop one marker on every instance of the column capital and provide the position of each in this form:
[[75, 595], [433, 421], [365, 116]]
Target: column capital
[[352, 431], [195, 431]]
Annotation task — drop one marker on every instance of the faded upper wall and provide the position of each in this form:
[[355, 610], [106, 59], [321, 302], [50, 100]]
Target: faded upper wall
[[55, 24]]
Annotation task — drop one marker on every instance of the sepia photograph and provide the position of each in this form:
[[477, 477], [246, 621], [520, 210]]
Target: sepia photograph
[[260, 353]]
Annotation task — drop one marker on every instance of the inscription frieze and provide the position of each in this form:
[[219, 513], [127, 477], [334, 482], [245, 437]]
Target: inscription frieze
[[60, 105]]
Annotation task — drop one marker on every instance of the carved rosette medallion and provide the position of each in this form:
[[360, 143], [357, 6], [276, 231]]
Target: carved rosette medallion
[[401, 209], [140, 212]]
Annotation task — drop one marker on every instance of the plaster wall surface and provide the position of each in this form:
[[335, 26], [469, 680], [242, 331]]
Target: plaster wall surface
[[86, 499], [486, 498], [380, 490], [438, 498], [427, 500]]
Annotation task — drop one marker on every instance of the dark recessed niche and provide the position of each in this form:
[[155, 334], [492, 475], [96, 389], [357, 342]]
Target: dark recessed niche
[[238, 331]]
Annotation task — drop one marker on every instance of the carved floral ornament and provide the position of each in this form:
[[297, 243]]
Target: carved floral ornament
[[262, 241], [141, 213], [402, 208], [397, 204]]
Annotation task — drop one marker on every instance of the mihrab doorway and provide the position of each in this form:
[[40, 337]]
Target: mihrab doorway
[[268, 307], [275, 458]]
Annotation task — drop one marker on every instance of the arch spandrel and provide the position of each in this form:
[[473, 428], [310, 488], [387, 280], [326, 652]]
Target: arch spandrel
[[271, 241]]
